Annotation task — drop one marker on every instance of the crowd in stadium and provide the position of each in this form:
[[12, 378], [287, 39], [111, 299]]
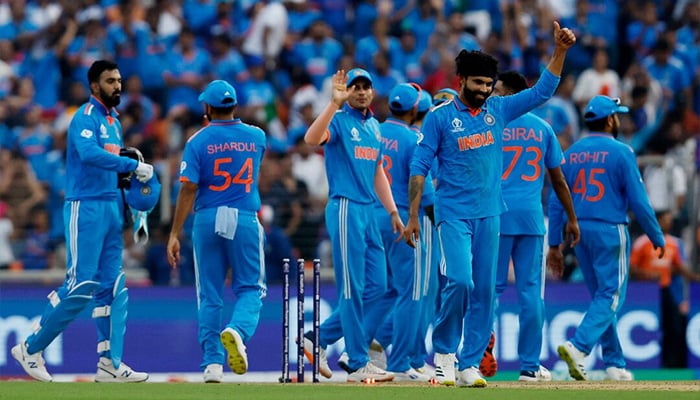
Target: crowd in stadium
[[280, 56]]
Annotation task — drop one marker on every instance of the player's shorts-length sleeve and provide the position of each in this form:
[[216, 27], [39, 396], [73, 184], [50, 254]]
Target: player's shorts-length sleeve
[[427, 147]]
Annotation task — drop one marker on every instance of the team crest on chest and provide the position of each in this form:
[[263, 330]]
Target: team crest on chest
[[457, 125], [489, 119], [355, 135]]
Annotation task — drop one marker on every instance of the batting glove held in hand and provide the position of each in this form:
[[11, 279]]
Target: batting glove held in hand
[[144, 172]]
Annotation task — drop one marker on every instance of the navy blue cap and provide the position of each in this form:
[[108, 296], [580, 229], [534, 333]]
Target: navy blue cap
[[357, 73], [143, 196], [603, 106], [443, 95], [403, 97], [219, 94]]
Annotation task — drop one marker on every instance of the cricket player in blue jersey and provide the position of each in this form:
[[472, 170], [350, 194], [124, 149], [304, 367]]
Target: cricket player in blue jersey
[[466, 136], [605, 184], [530, 147], [353, 154], [219, 175], [94, 222], [406, 268]]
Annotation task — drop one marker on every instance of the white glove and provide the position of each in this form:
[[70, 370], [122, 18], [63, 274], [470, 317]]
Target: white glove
[[143, 172]]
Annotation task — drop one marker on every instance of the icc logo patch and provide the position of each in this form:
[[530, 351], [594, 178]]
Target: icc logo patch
[[355, 135], [489, 119]]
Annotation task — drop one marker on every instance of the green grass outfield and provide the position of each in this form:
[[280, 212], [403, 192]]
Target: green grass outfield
[[638, 390]]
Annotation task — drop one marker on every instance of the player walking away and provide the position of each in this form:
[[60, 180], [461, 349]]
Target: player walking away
[[465, 135], [93, 233], [219, 175], [605, 183], [530, 147], [353, 155]]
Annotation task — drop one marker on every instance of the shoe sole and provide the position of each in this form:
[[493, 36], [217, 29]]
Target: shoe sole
[[569, 360], [325, 372], [17, 355], [371, 379], [489, 365], [479, 383], [236, 361]]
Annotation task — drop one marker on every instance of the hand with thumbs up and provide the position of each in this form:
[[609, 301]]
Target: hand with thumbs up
[[564, 38]]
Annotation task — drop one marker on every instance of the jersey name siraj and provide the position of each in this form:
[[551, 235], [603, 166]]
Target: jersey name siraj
[[366, 153], [586, 157], [522, 133], [230, 146], [475, 141]]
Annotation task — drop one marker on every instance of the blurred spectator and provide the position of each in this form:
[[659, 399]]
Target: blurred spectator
[[578, 58], [266, 37], [384, 78], [37, 252], [88, 46], [121, 37], [645, 265], [380, 40], [669, 71], [646, 29], [227, 63], [308, 166], [200, 15], [56, 185], [33, 140], [156, 258], [599, 79], [277, 247], [257, 95], [318, 53], [152, 50], [185, 74], [6, 232], [301, 17], [20, 29], [421, 21], [8, 67], [19, 188], [407, 59]]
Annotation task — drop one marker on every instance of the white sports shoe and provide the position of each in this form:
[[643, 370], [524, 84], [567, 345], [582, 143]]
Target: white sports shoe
[[371, 373], [214, 373], [33, 364], [445, 368], [618, 374], [426, 369], [323, 367], [107, 373], [470, 377], [410, 375], [377, 354], [574, 358], [541, 375], [237, 358]]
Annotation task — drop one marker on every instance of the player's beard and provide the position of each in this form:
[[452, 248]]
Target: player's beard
[[472, 100], [110, 100]]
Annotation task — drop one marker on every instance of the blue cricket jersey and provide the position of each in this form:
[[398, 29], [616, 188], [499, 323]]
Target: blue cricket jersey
[[529, 148], [399, 142], [468, 146], [92, 153], [605, 183], [352, 152], [223, 159]]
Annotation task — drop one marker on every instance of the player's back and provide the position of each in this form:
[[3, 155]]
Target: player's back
[[398, 145], [227, 155], [529, 148], [597, 170]]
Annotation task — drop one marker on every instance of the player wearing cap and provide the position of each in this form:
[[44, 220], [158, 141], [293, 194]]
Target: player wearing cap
[[465, 135], [93, 234], [353, 154], [605, 184], [219, 175], [405, 264], [530, 148]]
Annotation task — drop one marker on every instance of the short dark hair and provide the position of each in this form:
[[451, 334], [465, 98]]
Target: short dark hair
[[98, 67], [476, 63], [597, 125], [514, 81]]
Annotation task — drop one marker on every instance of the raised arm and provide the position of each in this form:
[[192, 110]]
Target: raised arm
[[318, 131]]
